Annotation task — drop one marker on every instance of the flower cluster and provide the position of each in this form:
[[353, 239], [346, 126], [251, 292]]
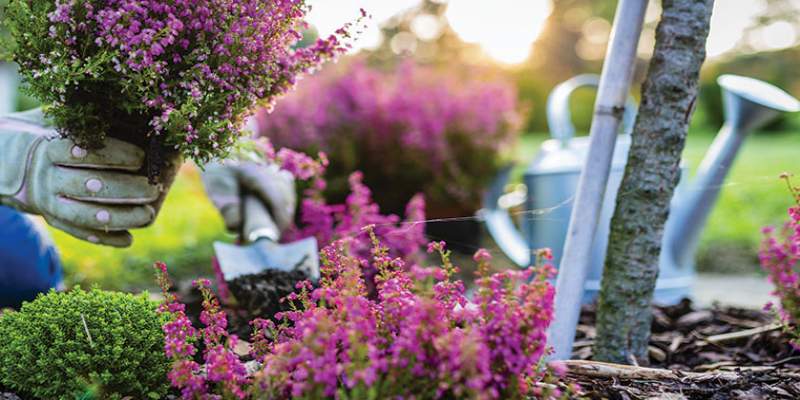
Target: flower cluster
[[780, 258], [419, 339], [409, 129], [329, 223], [182, 73], [222, 372]]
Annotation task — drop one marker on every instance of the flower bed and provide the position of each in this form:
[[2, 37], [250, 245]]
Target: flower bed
[[420, 336]]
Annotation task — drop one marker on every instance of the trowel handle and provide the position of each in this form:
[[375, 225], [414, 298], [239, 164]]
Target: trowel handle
[[257, 221]]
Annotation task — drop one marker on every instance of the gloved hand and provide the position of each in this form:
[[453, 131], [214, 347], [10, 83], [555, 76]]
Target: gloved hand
[[225, 183], [92, 195]]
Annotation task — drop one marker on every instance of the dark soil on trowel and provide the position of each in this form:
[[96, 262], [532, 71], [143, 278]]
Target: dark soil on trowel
[[262, 295], [716, 353], [254, 296]]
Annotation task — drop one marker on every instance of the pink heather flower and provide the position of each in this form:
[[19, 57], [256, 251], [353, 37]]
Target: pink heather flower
[[408, 337], [222, 286], [222, 366], [329, 223], [300, 165], [434, 247], [179, 338], [197, 67], [780, 258], [482, 255]]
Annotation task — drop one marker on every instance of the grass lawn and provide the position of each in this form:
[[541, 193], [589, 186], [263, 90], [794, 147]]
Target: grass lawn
[[751, 198]]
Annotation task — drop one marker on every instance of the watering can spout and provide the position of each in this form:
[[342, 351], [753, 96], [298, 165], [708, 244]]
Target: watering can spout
[[749, 104]]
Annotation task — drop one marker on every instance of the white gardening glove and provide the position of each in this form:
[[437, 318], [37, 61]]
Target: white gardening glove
[[92, 195], [226, 183]]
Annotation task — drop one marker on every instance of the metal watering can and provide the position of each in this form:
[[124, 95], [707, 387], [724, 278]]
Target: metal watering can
[[551, 179]]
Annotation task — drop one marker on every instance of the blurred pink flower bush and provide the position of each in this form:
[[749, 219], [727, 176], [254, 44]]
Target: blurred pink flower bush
[[779, 256], [412, 129]]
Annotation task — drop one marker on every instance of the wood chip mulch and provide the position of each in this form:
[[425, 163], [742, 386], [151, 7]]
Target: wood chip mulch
[[715, 353]]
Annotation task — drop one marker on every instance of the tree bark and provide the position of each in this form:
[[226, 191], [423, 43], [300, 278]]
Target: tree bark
[[651, 174]]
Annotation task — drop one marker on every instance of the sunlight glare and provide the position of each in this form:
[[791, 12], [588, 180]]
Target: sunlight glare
[[327, 16], [779, 35], [728, 23], [505, 29]]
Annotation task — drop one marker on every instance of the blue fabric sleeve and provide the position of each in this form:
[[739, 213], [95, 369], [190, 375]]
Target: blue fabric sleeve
[[29, 264]]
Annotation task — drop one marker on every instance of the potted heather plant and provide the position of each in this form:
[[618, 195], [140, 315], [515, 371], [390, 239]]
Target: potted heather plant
[[409, 130], [173, 77]]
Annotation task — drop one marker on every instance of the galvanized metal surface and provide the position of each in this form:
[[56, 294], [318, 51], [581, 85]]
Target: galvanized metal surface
[[552, 176]]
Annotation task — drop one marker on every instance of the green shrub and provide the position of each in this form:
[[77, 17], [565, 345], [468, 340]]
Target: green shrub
[[81, 344]]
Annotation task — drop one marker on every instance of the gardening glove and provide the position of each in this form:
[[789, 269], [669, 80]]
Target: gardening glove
[[225, 184], [92, 195]]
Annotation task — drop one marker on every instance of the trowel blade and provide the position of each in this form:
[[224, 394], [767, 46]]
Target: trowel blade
[[236, 261]]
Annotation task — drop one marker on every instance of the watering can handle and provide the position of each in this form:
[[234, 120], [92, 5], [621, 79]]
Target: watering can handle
[[559, 117]]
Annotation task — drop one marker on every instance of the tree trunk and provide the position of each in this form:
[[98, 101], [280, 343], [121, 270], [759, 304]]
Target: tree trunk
[[652, 172]]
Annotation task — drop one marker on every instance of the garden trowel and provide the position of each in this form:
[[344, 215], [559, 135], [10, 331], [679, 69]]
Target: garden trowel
[[261, 251]]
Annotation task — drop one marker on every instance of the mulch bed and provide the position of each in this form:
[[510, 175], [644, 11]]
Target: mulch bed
[[715, 353]]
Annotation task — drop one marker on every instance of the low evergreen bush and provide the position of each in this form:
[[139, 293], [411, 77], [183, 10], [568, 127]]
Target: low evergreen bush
[[84, 344]]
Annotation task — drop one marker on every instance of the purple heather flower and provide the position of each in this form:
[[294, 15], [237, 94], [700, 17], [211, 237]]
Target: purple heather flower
[[780, 258], [196, 66]]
